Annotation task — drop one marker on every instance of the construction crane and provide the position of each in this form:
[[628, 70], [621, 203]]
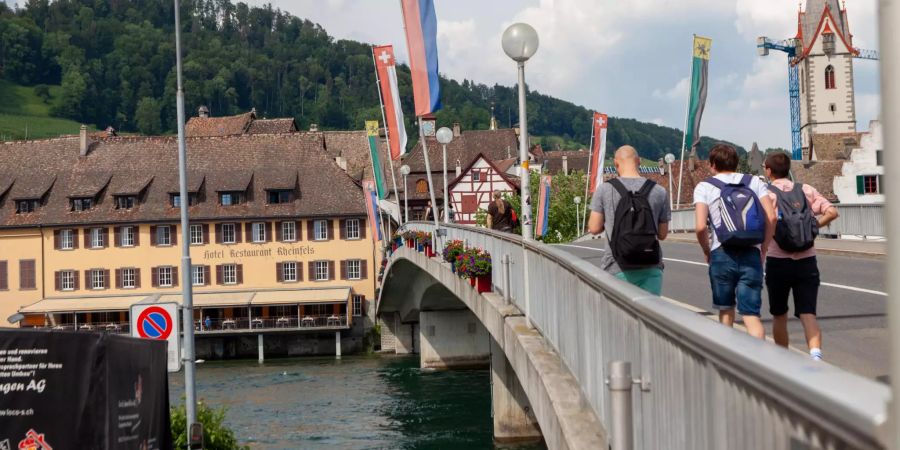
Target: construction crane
[[792, 47]]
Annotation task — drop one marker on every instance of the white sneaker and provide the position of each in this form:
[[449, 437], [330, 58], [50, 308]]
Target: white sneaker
[[815, 354]]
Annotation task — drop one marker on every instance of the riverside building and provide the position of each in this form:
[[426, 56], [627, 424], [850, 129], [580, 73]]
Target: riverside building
[[278, 236]]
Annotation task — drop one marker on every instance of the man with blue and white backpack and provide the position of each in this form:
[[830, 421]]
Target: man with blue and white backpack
[[735, 223]]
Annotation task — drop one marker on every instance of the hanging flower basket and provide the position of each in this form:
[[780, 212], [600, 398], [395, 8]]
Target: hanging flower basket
[[483, 283], [451, 251], [410, 237], [475, 264]]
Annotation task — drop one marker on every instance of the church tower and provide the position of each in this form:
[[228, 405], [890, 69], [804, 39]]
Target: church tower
[[825, 58]]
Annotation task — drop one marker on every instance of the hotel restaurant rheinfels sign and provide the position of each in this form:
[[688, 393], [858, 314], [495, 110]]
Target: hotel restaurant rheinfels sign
[[76, 390]]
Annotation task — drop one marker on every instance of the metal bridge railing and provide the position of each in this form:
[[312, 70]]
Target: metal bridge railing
[[699, 385], [854, 220]]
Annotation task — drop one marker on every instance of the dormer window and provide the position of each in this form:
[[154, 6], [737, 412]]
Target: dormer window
[[126, 201], [176, 199], [281, 196], [82, 204], [26, 206], [231, 198]]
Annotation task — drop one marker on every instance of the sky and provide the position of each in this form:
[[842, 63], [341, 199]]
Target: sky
[[625, 58]]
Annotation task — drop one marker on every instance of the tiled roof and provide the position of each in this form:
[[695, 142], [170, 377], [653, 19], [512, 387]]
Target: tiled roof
[[353, 146], [272, 126], [215, 164], [218, 126], [576, 160], [834, 146], [494, 144], [504, 164], [691, 180], [819, 174]]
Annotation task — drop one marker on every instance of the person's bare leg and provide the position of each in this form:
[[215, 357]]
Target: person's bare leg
[[780, 330], [726, 317], [754, 327], [811, 328]]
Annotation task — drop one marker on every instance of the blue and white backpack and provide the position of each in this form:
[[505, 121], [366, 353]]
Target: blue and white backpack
[[743, 221]]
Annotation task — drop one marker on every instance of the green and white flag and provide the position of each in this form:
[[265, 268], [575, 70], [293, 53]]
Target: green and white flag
[[372, 133], [699, 82]]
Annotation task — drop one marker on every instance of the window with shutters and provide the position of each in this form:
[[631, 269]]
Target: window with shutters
[[322, 271], [4, 275], [128, 278], [164, 277], [67, 280], [26, 206], [289, 271], [27, 276], [352, 228], [126, 234], [870, 184], [354, 269], [229, 274], [126, 201], [196, 234], [320, 230], [829, 77], [289, 231], [98, 279], [81, 204], [228, 234], [164, 235], [357, 304], [259, 232], [66, 239], [198, 275], [476, 175], [97, 235], [421, 186]]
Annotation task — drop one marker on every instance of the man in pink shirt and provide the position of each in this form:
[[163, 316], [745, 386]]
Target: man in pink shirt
[[795, 270]]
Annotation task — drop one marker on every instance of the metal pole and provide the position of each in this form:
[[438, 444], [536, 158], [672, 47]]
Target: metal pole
[[687, 115], [187, 289], [671, 194], [387, 133], [889, 14], [587, 181], [428, 170], [527, 233], [405, 201], [619, 384], [446, 198]]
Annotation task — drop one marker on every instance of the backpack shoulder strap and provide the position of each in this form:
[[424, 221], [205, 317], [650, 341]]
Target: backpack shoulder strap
[[747, 179], [620, 187], [715, 182], [647, 188]]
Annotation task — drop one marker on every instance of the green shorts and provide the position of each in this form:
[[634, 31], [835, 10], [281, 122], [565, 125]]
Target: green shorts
[[649, 280]]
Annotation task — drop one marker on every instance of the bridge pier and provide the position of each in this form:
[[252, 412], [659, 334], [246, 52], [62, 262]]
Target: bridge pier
[[401, 337], [453, 340], [514, 421]]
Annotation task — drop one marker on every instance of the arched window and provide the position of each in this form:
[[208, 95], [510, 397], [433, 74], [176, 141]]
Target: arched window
[[421, 186], [829, 77]]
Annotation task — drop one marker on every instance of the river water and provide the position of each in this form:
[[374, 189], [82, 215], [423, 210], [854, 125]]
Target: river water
[[358, 402]]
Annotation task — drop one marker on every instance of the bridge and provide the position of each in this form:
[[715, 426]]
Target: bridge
[[587, 361]]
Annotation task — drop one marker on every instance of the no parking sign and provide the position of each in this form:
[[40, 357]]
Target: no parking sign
[[159, 321]]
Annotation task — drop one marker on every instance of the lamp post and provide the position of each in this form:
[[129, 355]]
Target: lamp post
[[444, 136], [577, 216], [669, 159], [520, 42], [404, 170]]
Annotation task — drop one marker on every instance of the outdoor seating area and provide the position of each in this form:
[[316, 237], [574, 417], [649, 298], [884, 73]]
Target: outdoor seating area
[[283, 322]]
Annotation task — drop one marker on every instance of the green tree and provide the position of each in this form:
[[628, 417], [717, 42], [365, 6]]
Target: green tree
[[71, 101], [562, 224], [147, 116], [216, 436]]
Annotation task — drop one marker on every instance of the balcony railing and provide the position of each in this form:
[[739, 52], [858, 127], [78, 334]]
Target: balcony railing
[[106, 327], [272, 323]]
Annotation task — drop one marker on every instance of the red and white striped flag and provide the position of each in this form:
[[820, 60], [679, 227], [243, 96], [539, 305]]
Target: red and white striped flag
[[390, 99], [598, 150]]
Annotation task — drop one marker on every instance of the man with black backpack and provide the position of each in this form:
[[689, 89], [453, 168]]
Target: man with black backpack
[[791, 264], [635, 214], [738, 209]]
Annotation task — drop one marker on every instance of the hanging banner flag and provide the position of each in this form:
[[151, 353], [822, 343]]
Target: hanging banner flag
[[699, 82], [420, 22], [372, 209], [372, 133], [543, 212], [598, 150], [386, 72]]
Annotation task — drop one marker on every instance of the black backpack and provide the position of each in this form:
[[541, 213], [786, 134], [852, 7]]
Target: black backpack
[[797, 228], [634, 241]]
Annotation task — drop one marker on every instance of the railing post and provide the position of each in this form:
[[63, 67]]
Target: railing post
[[619, 384], [506, 283]]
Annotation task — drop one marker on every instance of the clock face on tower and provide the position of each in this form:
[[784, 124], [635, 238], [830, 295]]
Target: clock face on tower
[[428, 127]]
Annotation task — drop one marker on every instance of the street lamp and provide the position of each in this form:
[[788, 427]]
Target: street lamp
[[520, 42], [669, 159], [577, 216], [444, 136], [404, 170]]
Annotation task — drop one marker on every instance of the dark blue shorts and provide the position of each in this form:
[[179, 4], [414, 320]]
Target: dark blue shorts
[[736, 279]]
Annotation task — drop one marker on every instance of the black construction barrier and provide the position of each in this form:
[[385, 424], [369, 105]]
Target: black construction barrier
[[74, 390]]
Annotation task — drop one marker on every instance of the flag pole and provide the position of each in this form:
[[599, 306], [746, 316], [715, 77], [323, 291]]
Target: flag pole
[[687, 116], [587, 184], [428, 170], [387, 135], [375, 180]]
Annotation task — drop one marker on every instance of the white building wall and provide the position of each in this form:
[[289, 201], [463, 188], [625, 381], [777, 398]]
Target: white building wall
[[863, 161]]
